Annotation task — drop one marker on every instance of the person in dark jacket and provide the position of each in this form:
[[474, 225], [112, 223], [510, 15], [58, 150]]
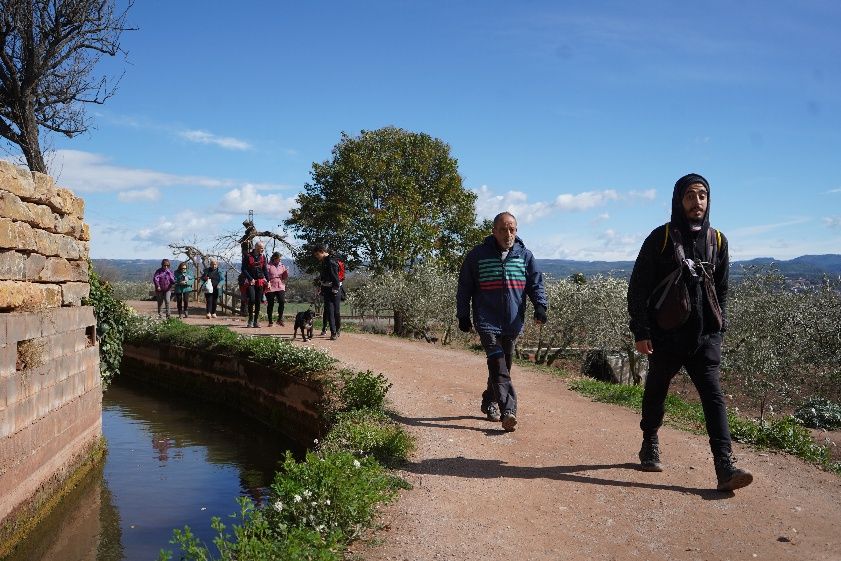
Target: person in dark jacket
[[254, 270], [213, 273], [330, 288], [687, 333], [496, 277]]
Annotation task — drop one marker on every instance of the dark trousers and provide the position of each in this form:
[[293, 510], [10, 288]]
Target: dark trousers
[[255, 296], [210, 300], [702, 365], [183, 301], [332, 303], [280, 296], [498, 349]]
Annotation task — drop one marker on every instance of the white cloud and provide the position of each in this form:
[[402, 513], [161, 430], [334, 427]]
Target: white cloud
[[833, 222], [241, 200], [647, 195], [585, 200], [141, 195], [748, 231], [600, 218], [834, 190], [86, 172], [489, 203], [204, 137], [187, 225]]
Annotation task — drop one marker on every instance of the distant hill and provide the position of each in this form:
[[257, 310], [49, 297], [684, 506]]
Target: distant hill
[[808, 267]]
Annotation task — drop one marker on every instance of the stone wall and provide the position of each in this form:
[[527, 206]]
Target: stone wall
[[292, 406], [50, 394]]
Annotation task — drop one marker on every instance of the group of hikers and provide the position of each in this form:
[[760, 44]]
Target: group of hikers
[[677, 298], [260, 280]]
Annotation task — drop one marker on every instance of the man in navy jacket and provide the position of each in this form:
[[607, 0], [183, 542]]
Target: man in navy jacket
[[496, 277]]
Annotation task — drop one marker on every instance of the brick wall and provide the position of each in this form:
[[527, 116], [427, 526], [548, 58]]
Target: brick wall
[[50, 394]]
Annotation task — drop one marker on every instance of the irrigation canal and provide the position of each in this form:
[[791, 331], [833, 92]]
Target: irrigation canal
[[170, 463]]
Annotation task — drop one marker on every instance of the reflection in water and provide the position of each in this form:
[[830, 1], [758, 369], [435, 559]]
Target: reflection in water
[[169, 464]]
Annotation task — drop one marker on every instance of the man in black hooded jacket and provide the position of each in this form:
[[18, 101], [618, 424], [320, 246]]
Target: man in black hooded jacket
[[684, 332]]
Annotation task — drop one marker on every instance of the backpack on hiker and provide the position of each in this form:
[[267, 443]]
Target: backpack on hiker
[[673, 306], [341, 266]]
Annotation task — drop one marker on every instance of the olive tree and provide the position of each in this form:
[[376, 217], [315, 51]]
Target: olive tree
[[48, 52]]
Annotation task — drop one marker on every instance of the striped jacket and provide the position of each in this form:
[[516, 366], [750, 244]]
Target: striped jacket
[[498, 288]]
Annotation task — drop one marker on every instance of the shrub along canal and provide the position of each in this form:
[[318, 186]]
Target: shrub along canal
[[171, 461]]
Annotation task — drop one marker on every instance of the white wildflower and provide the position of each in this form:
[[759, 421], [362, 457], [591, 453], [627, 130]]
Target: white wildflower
[[307, 493], [297, 498], [315, 442], [314, 503], [356, 464], [327, 502], [278, 506]]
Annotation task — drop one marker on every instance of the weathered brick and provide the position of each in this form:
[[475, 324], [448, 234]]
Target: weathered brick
[[73, 292], [8, 360], [21, 326], [29, 296], [12, 265], [16, 180]]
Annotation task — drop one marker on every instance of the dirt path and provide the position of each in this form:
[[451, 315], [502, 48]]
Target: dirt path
[[565, 484]]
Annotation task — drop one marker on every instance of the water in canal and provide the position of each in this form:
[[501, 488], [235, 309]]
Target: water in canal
[[170, 463]]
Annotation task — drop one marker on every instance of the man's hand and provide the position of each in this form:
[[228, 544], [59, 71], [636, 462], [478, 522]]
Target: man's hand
[[645, 347], [539, 314], [465, 324]]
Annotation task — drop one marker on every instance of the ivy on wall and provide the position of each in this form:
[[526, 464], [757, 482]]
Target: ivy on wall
[[112, 317]]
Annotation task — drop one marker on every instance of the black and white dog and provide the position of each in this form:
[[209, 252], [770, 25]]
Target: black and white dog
[[303, 321]]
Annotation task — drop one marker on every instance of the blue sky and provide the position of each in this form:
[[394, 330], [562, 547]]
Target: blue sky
[[577, 116]]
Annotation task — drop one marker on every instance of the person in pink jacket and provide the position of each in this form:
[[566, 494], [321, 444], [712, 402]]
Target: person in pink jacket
[[277, 275]]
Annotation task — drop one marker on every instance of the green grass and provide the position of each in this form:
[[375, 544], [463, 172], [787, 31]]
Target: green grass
[[783, 434]]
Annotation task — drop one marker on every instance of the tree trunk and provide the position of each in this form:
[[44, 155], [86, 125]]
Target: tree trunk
[[30, 146], [398, 323]]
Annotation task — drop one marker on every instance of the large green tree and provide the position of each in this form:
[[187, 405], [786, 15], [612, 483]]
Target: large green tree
[[386, 200]]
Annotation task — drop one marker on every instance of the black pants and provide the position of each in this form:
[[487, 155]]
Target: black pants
[[255, 296], [280, 296], [702, 365], [210, 300], [332, 303], [498, 349], [183, 301]]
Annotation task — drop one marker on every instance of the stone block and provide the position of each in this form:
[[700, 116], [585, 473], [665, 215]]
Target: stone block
[[23, 326], [86, 233], [12, 265], [71, 226], [34, 266], [73, 292], [26, 296], [12, 207], [52, 269], [4, 319], [42, 217], [16, 180]]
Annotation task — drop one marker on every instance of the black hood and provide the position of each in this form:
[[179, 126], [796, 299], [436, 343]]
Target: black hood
[[678, 215]]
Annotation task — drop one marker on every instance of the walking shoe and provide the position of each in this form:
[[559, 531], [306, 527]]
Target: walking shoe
[[271, 323], [213, 316], [509, 421], [650, 454], [729, 476], [207, 316], [492, 411], [255, 324], [323, 332]]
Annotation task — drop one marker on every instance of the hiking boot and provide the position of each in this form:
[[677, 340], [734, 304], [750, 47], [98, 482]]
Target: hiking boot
[[509, 421], [492, 411], [650, 454], [729, 476]]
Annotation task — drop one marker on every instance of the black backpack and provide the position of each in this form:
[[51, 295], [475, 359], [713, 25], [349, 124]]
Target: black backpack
[[673, 306]]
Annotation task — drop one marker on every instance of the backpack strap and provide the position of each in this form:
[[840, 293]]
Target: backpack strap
[[666, 239]]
